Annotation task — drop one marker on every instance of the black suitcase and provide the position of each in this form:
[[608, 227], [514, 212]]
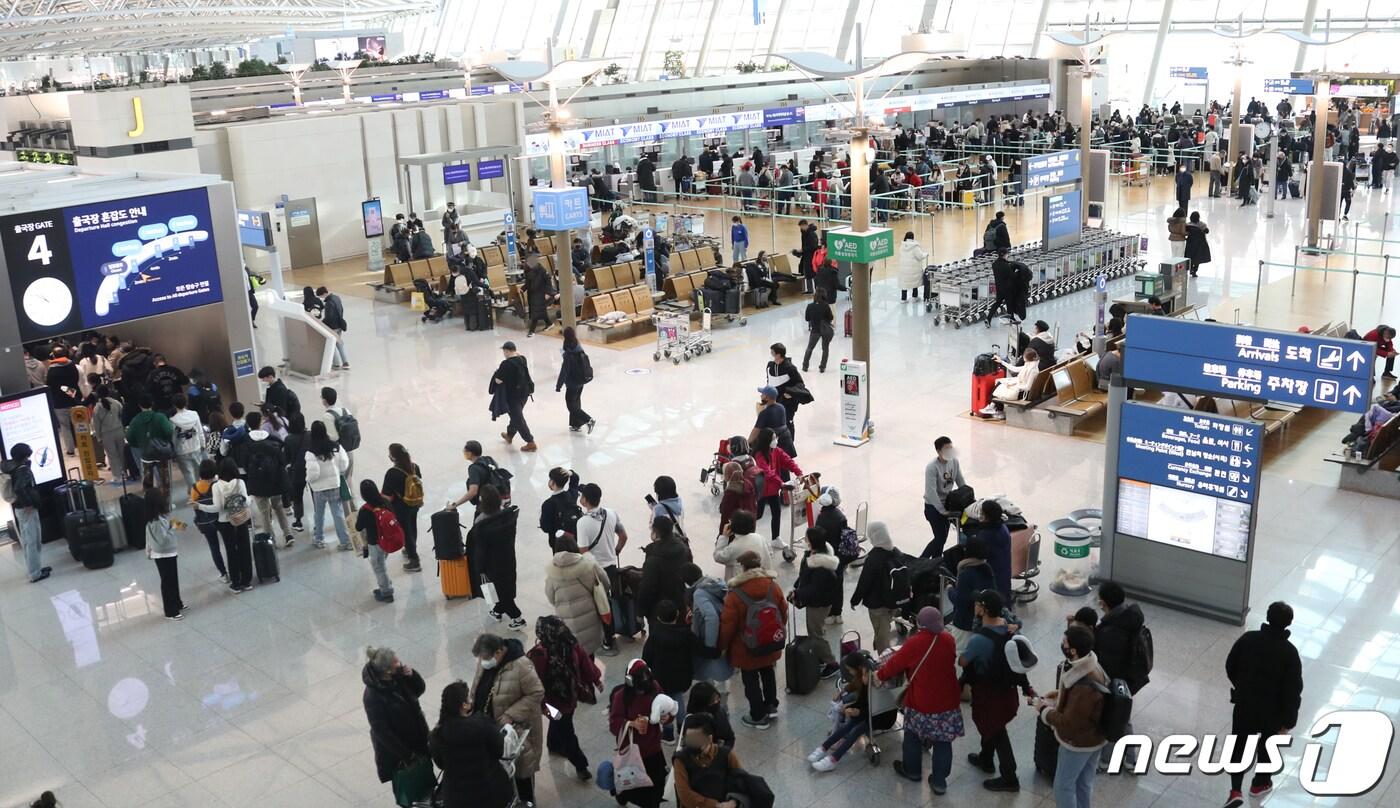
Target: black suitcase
[[265, 559], [133, 513], [1047, 750], [73, 529], [447, 535], [97, 554], [803, 665]]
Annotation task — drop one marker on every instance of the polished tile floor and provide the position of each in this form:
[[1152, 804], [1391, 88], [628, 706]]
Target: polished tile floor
[[255, 700]]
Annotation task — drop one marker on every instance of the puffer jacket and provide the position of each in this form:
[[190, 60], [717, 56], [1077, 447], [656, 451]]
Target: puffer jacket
[[568, 585], [324, 475], [817, 586], [706, 611], [516, 697], [1075, 716], [912, 260], [728, 549], [757, 584], [661, 575], [398, 730], [1113, 643]]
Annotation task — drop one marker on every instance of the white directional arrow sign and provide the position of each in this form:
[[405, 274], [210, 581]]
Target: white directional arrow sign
[[1357, 359], [1351, 393]]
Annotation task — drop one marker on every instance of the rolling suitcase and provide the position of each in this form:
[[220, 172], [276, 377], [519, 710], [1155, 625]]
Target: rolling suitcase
[[985, 373], [1047, 750], [447, 535], [1294, 189], [265, 559], [133, 518], [94, 548], [801, 660], [116, 531], [456, 578]]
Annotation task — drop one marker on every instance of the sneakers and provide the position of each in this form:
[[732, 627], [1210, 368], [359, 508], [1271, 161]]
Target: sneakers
[[518, 624], [898, 766], [817, 754], [319, 545], [938, 788], [530, 447], [607, 650], [223, 578], [772, 711], [297, 526], [290, 540], [412, 565], [345, 548], [383, 597], [829, 671], [755, 723], [1260, 790], [495, 615], [506, 437], [1235, 800], [583, 774], [976, 760], [178, 616], [826, 764], [776, 545], [43, 575], [575, 429], [1002, 784], [591, 423], [990, 409]]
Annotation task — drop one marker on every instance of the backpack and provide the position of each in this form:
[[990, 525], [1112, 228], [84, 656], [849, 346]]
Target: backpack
[[849, 546], [265, 471], [984, 364], [208, 394], [901, 587], [388, 531], [293, 403], [585, 367], [1140, 653], [412, 490], [998, 668], [497, 476], [236, 509], [763, 632], [1117, 708], [7, 488], [348, 428]]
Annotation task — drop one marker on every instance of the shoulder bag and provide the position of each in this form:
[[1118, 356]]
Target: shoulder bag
[[899, 700]]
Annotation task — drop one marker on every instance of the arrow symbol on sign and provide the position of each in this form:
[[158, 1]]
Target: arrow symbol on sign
[[1357, 359], [1351, 393], [1248, 463]]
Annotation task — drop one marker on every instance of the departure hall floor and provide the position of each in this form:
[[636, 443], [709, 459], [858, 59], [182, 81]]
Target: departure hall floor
[[255, 700]]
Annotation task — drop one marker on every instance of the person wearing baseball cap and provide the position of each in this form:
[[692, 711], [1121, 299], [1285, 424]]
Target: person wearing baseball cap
[[771, 414], [987, 666], [511, 387]]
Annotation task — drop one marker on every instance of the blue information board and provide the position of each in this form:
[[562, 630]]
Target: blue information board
[[1063, 221], [456, 172], [1057, 168], [649, 249], [509, 225], [1188, 479], [432, 95], [490, 169], [1290, 86], [1249, 363], [243, 362], [1192, 73], [561, 208], [783, 116]]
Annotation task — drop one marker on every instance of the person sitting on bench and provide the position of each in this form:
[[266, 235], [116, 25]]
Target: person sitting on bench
[[760, 277], [1019, 379]]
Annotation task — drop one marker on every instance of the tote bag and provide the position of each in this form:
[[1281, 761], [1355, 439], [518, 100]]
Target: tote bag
[[414, 783], [628, 770]]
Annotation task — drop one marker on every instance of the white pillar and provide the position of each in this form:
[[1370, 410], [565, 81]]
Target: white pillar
[[1163, 25], [1309, 19], [773, 40], [704, 57], [646, 43]]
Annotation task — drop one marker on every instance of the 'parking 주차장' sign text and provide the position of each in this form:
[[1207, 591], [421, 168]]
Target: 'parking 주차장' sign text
[[1249, 363]]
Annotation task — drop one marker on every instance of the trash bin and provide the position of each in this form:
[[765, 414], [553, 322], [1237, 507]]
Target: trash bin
[[1073, 543]]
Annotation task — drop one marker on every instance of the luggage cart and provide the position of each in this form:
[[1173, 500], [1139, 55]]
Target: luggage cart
[[801, 497], [672, 333], [882, 712]]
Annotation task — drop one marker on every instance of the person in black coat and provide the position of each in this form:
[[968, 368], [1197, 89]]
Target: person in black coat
[[1266, 687], [666, 557], [832, 521], [816, 592], [790, 389], [560, 510], [828, 280], [538, 290], [811, 241], [873, 586], [512, 381], [575, 371], [491, 547], [646, 179], [1197, 248], [397, 728], [669, 651], [468, 747]]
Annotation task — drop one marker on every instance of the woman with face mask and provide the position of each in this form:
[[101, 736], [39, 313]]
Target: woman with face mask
[[508, 690], [467, 747], [942, 476], [703, 765], [632, 719]]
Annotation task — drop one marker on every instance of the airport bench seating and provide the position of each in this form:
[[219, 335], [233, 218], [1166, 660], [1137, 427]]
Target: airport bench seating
[[1076, 394], [635, 302], [1374, 471]]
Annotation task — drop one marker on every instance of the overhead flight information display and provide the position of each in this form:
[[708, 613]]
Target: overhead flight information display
[[1188, 479], [93, 265]]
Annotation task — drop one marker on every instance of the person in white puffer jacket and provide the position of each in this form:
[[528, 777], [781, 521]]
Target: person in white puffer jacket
[[912, 260], [325, 463]]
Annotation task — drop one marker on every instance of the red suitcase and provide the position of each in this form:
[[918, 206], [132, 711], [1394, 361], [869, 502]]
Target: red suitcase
[[982, 386]]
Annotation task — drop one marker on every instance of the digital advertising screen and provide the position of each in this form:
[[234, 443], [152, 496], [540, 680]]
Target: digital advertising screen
[[372, 47], [372, 215], [336, 47], [93, 265], [26, 418]]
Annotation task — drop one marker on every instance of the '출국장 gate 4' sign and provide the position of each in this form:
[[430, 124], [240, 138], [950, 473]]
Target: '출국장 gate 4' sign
[[860, 248]]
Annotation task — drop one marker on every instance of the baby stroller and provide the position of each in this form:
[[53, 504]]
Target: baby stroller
[[714, 473], [437, 305]]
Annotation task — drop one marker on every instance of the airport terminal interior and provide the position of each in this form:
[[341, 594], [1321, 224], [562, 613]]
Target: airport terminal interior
[[1126, 261]]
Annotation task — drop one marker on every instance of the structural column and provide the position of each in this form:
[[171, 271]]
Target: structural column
[[1236, 115], [1309, 20], [1040, 21], [563, 239], [1316, 183], [861, 159], [1163, 25]]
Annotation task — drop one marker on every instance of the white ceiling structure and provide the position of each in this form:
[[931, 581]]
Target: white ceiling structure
[[68, 27]]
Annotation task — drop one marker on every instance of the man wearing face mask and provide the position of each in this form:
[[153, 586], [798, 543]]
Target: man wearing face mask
[[942, 476], [1073, 711], [508, 689], [702, 766]]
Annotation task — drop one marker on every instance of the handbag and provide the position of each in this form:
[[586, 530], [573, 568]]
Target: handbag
[[799, 393], [899, 700], [488, 590], [628, 770], [414, 782], [158, 448]]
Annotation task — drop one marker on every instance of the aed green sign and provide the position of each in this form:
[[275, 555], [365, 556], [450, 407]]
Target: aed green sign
[[860, 248]]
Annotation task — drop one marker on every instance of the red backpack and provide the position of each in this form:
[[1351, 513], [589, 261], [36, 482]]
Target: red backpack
[[764, 631], [388, 529]]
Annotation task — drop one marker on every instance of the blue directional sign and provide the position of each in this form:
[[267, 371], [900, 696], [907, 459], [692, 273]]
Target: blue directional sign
[[1290, 86], [649, 248], [1188, 479], [511, 250], [1063, 223], [1249, 363], [561, 208], [1057, 168], [1192, 73], [456, 172], [490, 169], [783, 116]]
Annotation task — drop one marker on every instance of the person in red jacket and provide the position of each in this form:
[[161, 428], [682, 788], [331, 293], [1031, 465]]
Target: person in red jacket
[[773, 462], [932, 702], [631, 708], [754, 589], [1384, 337]]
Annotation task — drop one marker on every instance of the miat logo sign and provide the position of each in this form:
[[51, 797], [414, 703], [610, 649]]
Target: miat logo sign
[[1355, 766]]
